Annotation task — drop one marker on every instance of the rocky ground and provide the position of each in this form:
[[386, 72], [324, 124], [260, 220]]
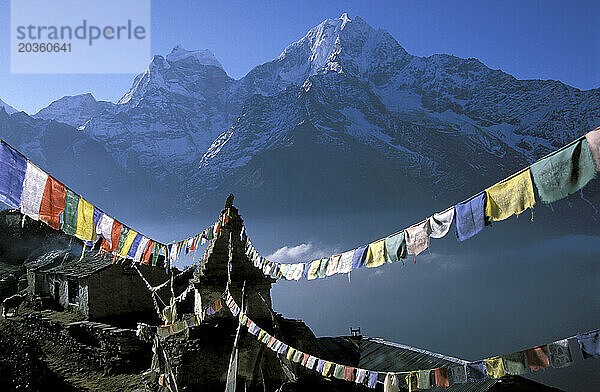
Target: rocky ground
[[30, 362]]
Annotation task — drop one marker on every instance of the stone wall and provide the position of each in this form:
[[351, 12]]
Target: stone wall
[[112, 349], [117, 290], [49, 282]]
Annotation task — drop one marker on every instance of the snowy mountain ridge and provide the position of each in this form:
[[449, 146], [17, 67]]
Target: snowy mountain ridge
[[9, 109], [345, 86]]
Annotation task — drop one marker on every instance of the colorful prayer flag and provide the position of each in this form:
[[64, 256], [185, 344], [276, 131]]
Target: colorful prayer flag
[[593, 139], [53, 203], [313, 269], [476, 371], [560, 354], [510, 197], [85, 229], [69, 225], [441, 377], [470, 218], [417, 237], [424, 379], [537, 358], [395, 247], [439, 223], [34, 185], [494, 367], [12, 174], [589, 343], [358, 257], [564, 172], [515, 363], [376, 254]]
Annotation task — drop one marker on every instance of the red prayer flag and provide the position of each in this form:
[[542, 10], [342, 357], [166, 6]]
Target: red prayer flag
[[537, 358], [441, 377], [348, 373], [53, 203], [148, 252], [115, 234], [105, 246], [305, 357]]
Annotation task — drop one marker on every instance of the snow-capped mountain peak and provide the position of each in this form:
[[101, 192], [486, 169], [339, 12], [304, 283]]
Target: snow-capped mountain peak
[[202, 56], [338, 45], [74, 109]]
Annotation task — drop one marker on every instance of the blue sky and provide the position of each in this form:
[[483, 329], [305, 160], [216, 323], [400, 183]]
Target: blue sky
[[528, 39]]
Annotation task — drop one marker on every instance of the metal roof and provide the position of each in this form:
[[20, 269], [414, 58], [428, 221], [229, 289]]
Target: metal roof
[[344, 350], [384, 356]]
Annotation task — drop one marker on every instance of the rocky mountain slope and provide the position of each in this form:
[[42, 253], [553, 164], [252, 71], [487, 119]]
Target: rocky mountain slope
[[74, 110], [7, 108], [344, 96]]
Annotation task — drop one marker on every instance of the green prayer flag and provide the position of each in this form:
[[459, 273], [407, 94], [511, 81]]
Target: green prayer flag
[[155, 254], [338, 372], [515, 363], [323, 267], [69, 225], [424, 379], [122, 237], [565, 172], [395, 247]]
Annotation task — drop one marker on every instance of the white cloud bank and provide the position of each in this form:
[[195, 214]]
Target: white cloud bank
[[299, 253]]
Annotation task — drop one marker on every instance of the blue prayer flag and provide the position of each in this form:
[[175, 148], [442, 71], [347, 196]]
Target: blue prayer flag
[[12, 174], [470, 217], [359, 256]]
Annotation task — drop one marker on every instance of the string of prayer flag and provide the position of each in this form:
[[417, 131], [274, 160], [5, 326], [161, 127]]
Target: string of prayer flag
[[555, 176], [540, 357]]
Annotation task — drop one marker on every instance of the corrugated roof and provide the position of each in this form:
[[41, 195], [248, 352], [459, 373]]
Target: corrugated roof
[[343, 349], [76, 268], [384, 356]]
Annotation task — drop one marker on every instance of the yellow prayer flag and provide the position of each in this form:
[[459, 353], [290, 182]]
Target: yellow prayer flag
[[509, 197], [85, 221], [376, 255], [128, 241], [412, 380], [290, 353], [494, 367], [326, 368], [313, 269]]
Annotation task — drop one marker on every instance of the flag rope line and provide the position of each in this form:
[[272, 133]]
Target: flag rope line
[[274, 269], [331, 369]]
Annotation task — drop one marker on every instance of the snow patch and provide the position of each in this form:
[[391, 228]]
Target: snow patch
[[202, 56]]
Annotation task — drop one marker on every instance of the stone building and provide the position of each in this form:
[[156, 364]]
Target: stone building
[[93, 286]]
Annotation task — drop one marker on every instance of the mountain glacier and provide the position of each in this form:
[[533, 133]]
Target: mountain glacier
[[343, 97]]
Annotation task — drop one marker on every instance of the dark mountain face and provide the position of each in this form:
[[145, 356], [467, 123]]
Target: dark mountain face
[[81, 163]]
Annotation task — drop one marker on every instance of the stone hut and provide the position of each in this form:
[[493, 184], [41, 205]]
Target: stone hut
[[93, 286]]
